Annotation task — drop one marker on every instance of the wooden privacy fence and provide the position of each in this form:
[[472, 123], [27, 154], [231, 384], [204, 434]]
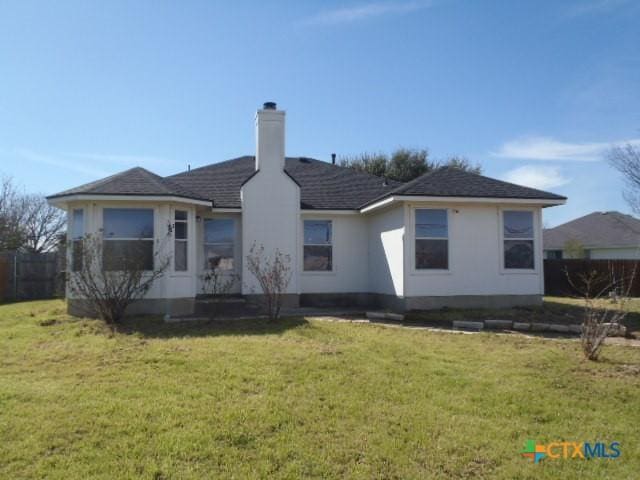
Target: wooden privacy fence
[[608, 273], [29, 276]]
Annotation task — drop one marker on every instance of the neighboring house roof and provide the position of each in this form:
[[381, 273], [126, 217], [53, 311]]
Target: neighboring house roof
[[596, 230], [453, 182], [135, 181], [322, 185]]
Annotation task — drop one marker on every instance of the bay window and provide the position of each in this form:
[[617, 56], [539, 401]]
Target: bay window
[[180, 241], [432, 239], [219, 242], [128, 239], [518, 235], [318, 247]]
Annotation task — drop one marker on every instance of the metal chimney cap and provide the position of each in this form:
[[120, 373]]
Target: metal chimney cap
[[269, 105]]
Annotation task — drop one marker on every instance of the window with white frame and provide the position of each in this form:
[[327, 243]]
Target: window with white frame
[[77, 234], [518, 235], [318, 246], [219, 242], [180, 241], [432, 239], [128, 238]]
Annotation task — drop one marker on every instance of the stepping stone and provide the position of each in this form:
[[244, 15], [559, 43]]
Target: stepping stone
[[376, 315], [559, 328], [540, 327], [498, 324], [521, 326], [394, 316], [466, 325]]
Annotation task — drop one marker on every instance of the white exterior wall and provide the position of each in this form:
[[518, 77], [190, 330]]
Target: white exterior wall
[[173, 284], [615, 253], [606, 253], [475, 255], [270, 202], [350, 260], [386, 251]]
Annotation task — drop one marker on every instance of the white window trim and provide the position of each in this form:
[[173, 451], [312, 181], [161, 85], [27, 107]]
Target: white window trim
[[412, 222], [536, 255], [233, 244], [186, 221], [304, 244]]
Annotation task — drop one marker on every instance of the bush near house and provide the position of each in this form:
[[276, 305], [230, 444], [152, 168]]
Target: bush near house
[[301, 398]]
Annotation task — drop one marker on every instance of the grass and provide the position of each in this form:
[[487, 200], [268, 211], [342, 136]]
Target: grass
[[301, 398]]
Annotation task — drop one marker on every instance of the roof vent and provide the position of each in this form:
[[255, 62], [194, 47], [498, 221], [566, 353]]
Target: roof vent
[[269, 105], [333, 158]]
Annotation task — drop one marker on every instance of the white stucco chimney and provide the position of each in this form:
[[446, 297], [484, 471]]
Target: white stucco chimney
[[269, 138]]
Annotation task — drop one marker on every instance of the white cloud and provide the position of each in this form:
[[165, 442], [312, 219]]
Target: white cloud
[[65, 164], [365, 11], [546, 148], [536, 177], [90, 164], [130, 160]]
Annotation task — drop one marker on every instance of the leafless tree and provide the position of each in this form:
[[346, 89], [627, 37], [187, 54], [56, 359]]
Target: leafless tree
[[626, 159], [27, 221], [109, 291], [42, 224], [606, 296], [273, 274], [12, 235]]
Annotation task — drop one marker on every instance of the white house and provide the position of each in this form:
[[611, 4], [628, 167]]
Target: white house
[[448, 238], [598, 235]]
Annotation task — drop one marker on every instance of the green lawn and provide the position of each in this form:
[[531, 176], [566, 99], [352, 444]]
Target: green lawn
[[301, 399]]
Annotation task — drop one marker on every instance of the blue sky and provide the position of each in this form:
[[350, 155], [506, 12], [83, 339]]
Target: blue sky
[[534, 91]]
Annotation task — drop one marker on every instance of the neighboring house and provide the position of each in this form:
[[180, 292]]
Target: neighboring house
[[599, 235], [447, 238]]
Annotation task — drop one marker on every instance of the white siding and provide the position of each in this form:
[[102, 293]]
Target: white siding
[[615, 253], [270, 218], [475, 256], [350, 259], [386, 270], [172, 284]]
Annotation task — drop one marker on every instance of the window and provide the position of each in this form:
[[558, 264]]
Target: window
[[432, 239], [554, 254], [128, 238], [318, 248], [77, 233], [219, 241], [180, 243], [518, 240]]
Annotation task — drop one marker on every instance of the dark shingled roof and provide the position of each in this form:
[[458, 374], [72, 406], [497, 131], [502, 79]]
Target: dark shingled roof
[[322, 185], [135, 181], [598, 229], [453, 182]]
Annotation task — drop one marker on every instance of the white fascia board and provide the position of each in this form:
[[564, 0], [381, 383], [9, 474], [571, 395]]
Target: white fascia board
[[476, 200], [314, 211], [61, 201]]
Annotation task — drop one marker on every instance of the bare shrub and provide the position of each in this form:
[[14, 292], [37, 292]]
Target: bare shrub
[[218, 283], [273, 274], [606, 297], [110, 281]]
